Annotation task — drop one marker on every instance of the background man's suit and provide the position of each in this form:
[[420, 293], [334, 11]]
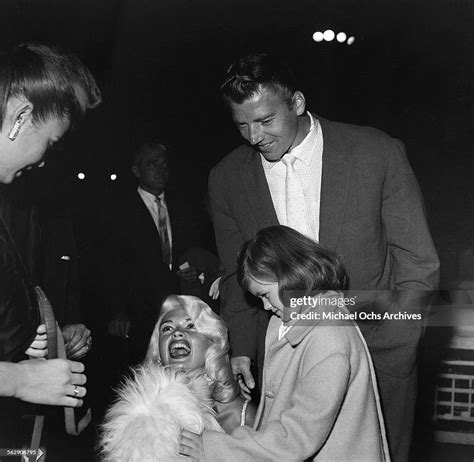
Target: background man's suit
[[137, 278], [371, 214]]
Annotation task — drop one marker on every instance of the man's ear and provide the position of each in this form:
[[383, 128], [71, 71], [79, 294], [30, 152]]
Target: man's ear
[[135, 171], [299, 102]]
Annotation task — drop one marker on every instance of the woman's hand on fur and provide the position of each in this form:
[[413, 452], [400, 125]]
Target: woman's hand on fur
[[39, 346], [191, 445]]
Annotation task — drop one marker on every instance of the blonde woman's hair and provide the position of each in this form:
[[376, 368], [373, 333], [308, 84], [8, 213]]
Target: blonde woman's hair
[[209, 324]]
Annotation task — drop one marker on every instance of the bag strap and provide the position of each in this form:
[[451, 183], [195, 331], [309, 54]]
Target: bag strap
[[37, 432], [47, 318], [57, 349], [72, 428]]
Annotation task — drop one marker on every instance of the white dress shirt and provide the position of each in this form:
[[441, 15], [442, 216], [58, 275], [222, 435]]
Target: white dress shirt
[[308, 166], [150, 202]]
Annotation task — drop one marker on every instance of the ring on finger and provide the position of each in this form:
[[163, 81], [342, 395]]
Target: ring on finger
[[76, 391]]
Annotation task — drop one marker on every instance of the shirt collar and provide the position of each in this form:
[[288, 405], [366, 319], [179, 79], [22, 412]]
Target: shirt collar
[[283, 329], [303, 150], [148, 197]]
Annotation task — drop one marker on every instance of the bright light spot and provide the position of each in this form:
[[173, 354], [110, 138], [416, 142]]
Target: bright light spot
[[350, 40], [328, 35], [113, 177], [341, 37], [318, 36], [81, 176]]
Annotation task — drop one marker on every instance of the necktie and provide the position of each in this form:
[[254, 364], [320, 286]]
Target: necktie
[[296, 211], [163, 230]]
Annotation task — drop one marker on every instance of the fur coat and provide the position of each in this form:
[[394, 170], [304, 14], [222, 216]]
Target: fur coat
[[152, 408]]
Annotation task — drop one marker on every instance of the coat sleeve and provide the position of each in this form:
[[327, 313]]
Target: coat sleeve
[[240, 316], [415, 261], [19, 312], [414, 264], [302, 428]]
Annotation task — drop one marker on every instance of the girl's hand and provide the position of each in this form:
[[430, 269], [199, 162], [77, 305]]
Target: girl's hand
[[191, 445], [39, 346], [214, 289]]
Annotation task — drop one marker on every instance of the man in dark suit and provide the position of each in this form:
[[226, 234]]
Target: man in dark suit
[[139, 257], [349, 187], [147, 235]]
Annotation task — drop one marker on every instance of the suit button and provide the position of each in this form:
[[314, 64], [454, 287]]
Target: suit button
[[269, 394]]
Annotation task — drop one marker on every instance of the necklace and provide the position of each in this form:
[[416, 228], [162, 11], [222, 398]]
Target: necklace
[[243, 413]]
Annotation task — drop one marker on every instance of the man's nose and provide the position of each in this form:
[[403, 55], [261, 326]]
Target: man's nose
[[267, 305], [160, 168], [255, 135]]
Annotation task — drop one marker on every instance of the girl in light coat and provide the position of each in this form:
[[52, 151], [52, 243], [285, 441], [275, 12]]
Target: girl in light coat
[[319, 396]]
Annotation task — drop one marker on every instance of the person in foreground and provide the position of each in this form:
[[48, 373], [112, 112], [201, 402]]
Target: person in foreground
[[183, 383], [43, 91], [319, 396]]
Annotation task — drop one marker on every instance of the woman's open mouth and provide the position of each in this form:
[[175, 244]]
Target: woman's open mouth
[[179, 349]]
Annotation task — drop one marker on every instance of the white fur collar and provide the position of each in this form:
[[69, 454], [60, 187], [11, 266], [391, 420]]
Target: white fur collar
[[152, 408]]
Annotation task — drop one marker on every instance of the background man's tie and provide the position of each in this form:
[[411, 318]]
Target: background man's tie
[[163, 230]]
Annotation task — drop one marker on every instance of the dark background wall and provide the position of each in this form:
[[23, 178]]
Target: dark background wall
[[159, 64]]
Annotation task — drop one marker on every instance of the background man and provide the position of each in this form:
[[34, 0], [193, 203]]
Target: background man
[[148, 236], [352, 189], [138, 264]]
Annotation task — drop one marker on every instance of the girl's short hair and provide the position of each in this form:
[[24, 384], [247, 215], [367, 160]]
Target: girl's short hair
[[211, 325], [296, 262]]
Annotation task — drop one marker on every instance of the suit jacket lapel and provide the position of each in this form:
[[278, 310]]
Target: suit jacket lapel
[[176, 236], [148, 228], [257, 191], [144, 213], [334, 185]]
